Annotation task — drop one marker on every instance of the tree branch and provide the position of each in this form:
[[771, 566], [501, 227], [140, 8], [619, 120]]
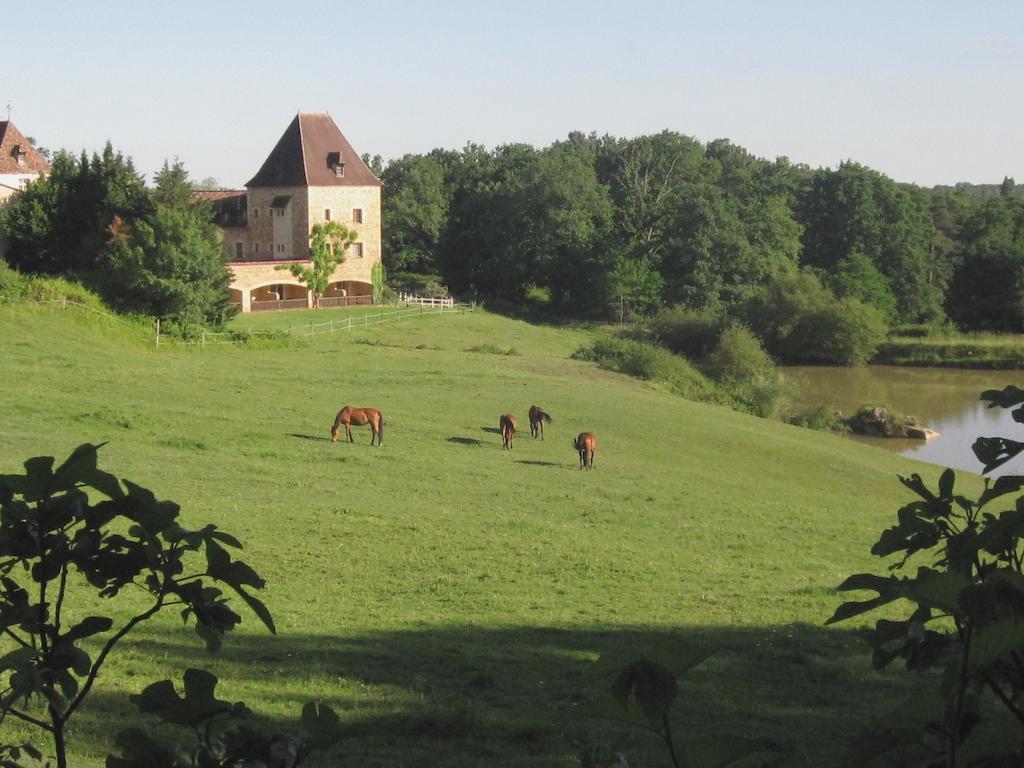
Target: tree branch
[[60, 599], [29, 719], [1003, 697], [20, 641], [107, 648]]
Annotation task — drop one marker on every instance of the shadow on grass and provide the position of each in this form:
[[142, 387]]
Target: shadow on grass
[[491, 430], [309, 437], [542, 463], [471, 441], [520, 696]]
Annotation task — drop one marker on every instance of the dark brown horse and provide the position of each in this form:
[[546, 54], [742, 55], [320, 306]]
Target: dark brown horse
[[359, 417], [537, 418], [586, 444], [507, 425]]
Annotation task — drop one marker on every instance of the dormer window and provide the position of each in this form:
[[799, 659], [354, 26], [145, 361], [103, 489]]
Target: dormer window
[[19, 154], [335, 164]]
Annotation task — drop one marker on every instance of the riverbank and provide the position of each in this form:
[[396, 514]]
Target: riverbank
[[988, 351]]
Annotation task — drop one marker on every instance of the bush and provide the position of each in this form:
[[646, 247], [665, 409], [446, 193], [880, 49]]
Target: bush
[[690, 332], [652, 363], [420, 284], [15, 286], [823, 418], [846, 333], [742, 367], [778, 308]]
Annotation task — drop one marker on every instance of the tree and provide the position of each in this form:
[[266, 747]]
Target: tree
[[856, 277], [169, 263], [58, 544], [855, 209], [415, 208], [964, 626], [328, 242], [988, 289], [59, 224]]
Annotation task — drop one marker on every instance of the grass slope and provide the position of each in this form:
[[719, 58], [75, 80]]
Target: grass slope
[[445, 596]]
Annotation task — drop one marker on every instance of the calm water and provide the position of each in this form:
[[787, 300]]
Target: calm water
[[944, 399]]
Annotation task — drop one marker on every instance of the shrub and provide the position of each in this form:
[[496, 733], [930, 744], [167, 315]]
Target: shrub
[[778, 307], [740, 365], [955, 617], [52, 529], [423, 285], [652, 363], [823, 418], [845, 333], [690, 332]]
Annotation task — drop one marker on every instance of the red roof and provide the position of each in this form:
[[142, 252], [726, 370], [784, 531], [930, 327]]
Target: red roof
[[17, 155], [312, 152]]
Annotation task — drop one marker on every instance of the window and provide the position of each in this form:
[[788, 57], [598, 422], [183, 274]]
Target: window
[[357, 250], [357, 215], [335, 164], [327, 214], [270, 247], [280, 247], [238, 250], [255, 247], [255, 213]]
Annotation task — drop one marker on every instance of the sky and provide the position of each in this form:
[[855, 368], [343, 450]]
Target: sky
[[925, 92]]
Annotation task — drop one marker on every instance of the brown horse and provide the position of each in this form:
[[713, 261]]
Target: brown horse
[[359, 417], [586, 444], [537, 418], [507, 425]]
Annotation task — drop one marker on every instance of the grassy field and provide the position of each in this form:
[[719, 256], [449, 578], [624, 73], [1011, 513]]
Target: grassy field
[[445, 596]]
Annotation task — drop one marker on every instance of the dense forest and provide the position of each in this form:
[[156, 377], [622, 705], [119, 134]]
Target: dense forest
[[603, 226]]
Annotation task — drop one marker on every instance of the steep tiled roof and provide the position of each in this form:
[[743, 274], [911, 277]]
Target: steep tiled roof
[[309, 154], [12, 146]]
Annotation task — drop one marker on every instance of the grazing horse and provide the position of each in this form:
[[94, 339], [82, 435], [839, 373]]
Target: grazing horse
[[507, 424], [586, 444], [359, 416], [537, 418]]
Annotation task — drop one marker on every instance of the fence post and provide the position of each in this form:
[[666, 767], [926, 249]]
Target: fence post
[[332, 325], [158, 332], [204, 337], [63, 302]]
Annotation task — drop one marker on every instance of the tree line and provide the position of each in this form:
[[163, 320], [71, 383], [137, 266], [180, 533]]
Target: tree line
[[153, 251], [600, 226], [603, 226]]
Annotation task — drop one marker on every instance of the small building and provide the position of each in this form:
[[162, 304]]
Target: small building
[[20, 162], [311, 176]]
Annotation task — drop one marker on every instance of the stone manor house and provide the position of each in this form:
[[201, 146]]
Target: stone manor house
[[312, 175]]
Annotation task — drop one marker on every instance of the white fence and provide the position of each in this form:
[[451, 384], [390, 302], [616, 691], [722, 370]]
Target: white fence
[[425, 301]]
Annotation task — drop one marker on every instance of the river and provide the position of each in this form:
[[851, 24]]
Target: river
[[945, 399]]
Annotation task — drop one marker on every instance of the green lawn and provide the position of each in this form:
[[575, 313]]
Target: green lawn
[[445, 596]]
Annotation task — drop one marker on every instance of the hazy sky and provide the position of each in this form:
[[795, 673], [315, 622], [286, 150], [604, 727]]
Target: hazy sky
[[928, 92]]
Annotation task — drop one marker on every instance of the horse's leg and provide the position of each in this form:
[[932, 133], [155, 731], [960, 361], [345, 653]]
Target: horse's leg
[[348, 432]]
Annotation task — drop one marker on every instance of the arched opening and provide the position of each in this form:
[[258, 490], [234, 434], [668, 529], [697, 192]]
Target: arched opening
[[347, 293], [279, 296]]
